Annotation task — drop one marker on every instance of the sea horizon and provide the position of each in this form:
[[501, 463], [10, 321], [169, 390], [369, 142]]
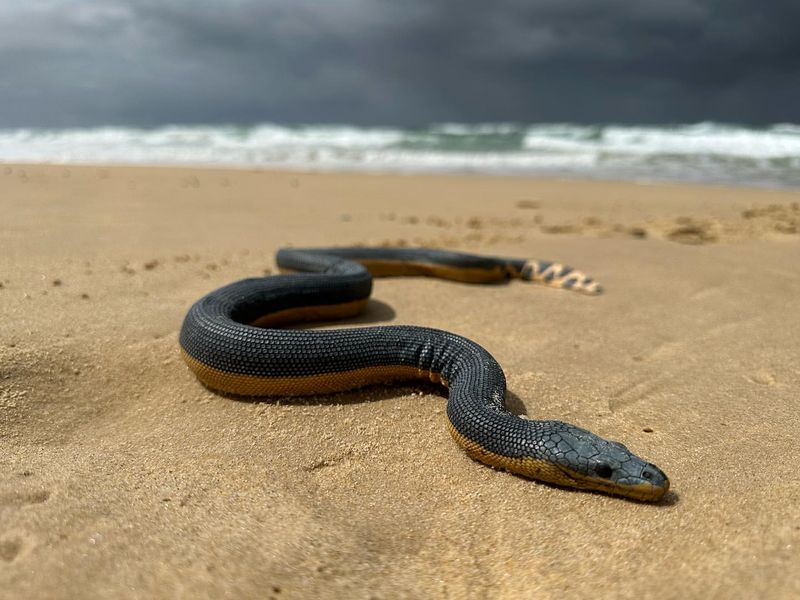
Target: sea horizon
[[705, 152]]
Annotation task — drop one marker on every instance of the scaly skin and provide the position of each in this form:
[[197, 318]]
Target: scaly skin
[[228, 352]]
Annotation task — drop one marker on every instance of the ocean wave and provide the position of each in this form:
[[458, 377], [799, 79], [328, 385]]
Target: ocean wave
[[701, 152]]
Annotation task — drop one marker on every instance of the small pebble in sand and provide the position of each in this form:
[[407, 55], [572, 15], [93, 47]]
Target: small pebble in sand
[[56, 282], [151, 264], [648, 430]]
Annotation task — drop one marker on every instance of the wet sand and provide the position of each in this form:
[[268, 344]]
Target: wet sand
[[121, 476]]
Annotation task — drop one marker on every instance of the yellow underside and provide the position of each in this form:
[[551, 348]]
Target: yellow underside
[[394, 268], [322, 383], [528, 467]]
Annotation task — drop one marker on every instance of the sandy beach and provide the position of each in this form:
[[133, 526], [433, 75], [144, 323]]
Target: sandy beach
[[122, 477]]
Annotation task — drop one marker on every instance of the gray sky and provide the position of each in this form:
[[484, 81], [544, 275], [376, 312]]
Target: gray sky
[[397, 62]]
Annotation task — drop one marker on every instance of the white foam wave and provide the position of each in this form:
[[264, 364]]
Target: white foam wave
[[708, 152]]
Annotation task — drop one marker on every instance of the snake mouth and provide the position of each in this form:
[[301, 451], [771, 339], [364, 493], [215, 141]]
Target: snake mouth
[[643, 492], [646, 492]]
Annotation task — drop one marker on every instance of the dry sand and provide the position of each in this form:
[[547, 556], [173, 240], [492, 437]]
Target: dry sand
[[121, 476]]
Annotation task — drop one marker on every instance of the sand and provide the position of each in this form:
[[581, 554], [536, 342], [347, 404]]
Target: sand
[[121, 476]]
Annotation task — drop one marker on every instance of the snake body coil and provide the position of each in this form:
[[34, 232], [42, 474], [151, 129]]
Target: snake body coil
[[229, 341]]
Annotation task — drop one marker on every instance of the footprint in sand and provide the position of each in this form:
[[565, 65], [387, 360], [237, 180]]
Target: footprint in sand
[[662, 350], [528, 204], [324, 463], [708, 292], [692, 234], [18, 498], [761, 378], [634, 392], [10, 548], [12, 543]]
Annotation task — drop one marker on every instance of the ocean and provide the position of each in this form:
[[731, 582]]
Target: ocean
[[710, 153]]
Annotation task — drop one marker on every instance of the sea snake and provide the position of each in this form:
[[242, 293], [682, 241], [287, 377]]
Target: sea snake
[[230, 341]]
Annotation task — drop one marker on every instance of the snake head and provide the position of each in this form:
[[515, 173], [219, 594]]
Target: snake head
[[587, 461]]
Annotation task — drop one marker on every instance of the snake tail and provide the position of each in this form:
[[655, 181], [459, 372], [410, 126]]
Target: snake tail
[[559, 276]]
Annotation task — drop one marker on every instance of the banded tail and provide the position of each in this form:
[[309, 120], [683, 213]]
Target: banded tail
[[559, 276]]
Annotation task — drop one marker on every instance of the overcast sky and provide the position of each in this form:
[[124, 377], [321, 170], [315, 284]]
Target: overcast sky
[[397, 62]]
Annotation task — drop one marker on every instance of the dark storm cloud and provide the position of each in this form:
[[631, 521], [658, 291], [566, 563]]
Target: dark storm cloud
[[147, 62]]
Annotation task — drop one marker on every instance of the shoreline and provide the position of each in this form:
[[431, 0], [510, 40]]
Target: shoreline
[[302, 170], [122, 475]]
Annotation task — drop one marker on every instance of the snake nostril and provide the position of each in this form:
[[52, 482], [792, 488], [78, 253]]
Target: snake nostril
[[647, 474]]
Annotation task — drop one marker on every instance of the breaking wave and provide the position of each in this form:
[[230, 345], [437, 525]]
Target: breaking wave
[[702, 152]]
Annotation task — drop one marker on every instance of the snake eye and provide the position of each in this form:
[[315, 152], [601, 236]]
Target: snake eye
[[603, 470]]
